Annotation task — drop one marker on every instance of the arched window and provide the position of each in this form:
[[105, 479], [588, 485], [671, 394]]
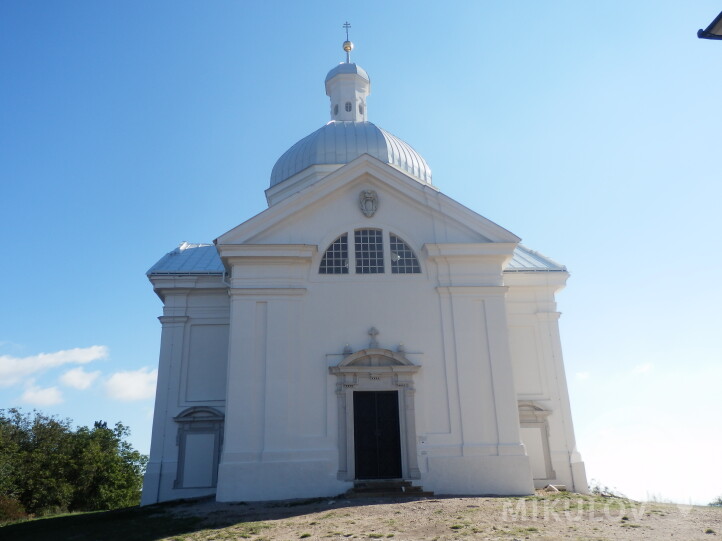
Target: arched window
[[369, 251], [403, 259], [348, 106], [335, 259], [369, 254]]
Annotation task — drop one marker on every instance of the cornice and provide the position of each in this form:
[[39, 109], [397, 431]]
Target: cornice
[[469, 250], [268, 252], [172, 320], [267, 291], [486, 291]]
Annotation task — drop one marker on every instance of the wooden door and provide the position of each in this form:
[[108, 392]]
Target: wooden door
[[377, 442]]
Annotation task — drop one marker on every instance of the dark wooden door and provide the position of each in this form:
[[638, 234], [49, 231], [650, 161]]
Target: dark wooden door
[[377, 443]]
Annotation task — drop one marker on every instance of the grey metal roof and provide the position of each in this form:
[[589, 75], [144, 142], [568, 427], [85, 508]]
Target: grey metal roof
[[204, 259], [189, 259], [526, 260], [340, 142], [348, 68]]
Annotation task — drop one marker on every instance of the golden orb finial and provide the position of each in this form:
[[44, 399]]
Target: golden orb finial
[[347, 45]]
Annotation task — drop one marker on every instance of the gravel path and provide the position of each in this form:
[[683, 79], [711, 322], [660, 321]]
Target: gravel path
[[541, 517]]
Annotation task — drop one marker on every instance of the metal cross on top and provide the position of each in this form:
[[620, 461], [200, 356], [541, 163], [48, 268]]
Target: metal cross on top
[[372, 333], [347, 45]]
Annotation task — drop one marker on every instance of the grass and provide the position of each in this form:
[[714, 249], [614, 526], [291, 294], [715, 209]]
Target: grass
[[130, 524]]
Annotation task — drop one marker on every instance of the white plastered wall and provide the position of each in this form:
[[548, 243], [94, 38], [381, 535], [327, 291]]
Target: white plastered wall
[[475, 333], [191, 374], [539, 371], [290, 324]]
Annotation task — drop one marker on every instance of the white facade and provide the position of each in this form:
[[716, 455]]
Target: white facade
[[280, 349]]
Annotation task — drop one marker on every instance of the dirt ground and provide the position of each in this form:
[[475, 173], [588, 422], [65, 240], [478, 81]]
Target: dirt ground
[[541, 517]]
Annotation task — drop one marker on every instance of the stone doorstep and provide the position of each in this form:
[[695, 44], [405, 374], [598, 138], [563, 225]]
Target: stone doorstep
[[386, 488]]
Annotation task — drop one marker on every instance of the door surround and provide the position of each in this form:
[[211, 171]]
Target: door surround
[[375, 369]]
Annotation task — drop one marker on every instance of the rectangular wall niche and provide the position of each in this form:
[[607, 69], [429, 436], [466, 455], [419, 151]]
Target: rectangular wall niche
[[199, 439], [198, 460], [533, 441], [534, 432]]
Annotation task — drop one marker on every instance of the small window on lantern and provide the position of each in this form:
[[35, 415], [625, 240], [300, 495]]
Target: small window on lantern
[[349, 107], [335, 110], [360, 109]]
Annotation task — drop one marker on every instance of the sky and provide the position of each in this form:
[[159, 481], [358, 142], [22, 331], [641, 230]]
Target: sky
[[589, 129]]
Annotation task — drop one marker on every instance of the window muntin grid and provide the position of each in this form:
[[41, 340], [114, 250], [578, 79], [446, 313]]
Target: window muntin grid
[[335, 259], [403, 259], [369, 251]]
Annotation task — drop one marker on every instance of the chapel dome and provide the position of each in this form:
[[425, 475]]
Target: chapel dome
[[349, 134], [340, 142]]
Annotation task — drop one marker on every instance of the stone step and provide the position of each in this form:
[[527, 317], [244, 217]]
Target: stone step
[[399, 486], [386, 488], [351, 495]]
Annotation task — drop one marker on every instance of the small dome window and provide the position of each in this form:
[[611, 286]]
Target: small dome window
[[349, 107], [360, 109], [335, 110]]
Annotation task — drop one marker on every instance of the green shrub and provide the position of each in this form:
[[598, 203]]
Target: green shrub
[[48, 467]]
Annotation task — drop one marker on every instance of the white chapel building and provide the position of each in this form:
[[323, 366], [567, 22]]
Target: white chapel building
[[365, 326]]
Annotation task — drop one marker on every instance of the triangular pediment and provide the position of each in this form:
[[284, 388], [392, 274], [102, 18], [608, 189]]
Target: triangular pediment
[[283, 222], [375, 360], [375, 357]]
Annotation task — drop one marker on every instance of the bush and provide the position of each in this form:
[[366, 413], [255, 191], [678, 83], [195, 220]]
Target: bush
[[717, 502], [47, 466], [11, 510]]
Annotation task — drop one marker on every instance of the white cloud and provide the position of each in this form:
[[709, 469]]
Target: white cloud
[[78, 378], [132, 385], [642, 368], [582, 375], [14, 369], [42, 396]]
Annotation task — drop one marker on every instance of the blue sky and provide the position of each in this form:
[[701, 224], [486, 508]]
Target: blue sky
[[591, 130]]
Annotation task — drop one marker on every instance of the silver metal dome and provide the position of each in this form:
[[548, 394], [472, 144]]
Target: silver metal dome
[[347, 69], [340, 142]]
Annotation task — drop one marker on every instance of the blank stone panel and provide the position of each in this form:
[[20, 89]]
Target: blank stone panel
[[207, 363], [198, 460], [526, 361]]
